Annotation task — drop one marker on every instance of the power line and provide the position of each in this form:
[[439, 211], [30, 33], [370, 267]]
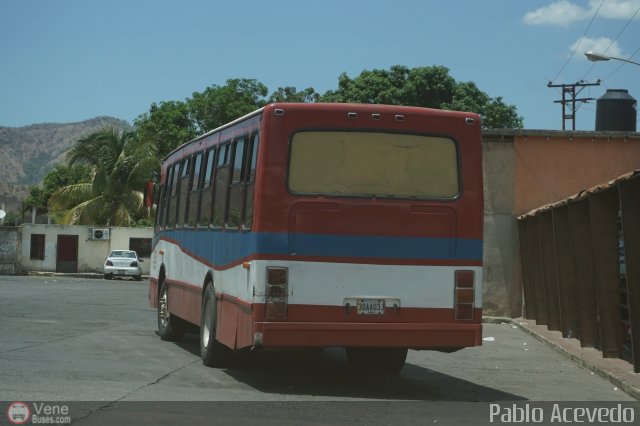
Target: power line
[[624, 27], [579, 42]]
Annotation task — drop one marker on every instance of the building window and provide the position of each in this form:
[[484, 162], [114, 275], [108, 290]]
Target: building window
[[142, 246], [37, 246]]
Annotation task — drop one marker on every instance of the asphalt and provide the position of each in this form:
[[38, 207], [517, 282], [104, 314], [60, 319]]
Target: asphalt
[[617, 371]]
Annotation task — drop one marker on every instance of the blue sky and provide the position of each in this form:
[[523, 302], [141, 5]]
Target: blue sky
[[70, 60]]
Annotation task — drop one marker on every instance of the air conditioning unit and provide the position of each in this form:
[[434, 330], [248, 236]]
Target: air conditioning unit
[[99, 234]]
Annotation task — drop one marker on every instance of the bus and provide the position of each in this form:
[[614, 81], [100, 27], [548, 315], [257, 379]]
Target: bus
[[324, 225]]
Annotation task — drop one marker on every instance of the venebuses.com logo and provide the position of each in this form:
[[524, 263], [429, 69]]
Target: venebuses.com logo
[[18, 413]]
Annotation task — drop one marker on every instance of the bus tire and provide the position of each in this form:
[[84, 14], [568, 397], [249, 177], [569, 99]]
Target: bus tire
[[212, 352], [391, 360], [361, 359], [170, 327], [382, 360]]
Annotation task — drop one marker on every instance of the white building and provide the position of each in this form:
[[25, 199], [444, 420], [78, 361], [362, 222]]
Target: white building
[[75, 248]]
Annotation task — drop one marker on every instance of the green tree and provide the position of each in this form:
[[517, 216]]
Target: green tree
[[467, 97], [497, 114], [369, 87], [218, 105], [167, 125], [61, 175], [170, 124], [430, 87], [119, 164], [12, 219], [291, 94]]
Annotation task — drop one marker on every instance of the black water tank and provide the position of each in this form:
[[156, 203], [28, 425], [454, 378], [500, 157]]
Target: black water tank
[[616, 110]]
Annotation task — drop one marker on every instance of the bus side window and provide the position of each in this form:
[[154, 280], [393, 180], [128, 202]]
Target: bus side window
[[172, 199], [161, 207], [163, 201], [236, 189], [194, 196], [206, 194], [183, 191], [252, 158], [221, 186]]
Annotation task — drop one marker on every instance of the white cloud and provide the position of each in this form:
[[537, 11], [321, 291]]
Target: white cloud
[[598, 45], [563, 13], [616, 9]]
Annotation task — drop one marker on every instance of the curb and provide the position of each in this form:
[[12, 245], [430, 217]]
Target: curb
[[617, 371], [64, 274], [93, 275]]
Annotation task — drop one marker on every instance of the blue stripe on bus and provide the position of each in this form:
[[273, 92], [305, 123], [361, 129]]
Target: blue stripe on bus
[[225, 248]]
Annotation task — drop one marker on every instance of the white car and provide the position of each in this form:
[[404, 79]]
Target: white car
[[123, 263]]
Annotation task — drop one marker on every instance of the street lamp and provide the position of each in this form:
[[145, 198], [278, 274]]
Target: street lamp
[[595, 57]]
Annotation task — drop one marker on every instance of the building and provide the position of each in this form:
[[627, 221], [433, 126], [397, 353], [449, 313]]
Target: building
[[69, 248]]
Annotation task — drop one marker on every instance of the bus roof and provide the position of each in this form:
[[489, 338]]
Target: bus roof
[[327, 106], [217, 129]]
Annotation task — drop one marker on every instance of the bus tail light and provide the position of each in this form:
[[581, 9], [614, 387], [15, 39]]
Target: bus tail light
[[276, 292], [464, 295]]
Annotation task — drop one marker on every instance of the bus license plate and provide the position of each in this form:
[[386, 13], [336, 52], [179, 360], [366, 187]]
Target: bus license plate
[[370, 306]]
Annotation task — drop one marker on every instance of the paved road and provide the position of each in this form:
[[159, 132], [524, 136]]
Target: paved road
[[75, 339]]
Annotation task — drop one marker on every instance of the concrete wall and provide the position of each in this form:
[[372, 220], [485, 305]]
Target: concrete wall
[[550, 169], [501, 263], [9, 250], [526, 169], [91, 253]]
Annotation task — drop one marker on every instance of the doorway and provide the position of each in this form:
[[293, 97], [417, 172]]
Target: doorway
[[67, 254]]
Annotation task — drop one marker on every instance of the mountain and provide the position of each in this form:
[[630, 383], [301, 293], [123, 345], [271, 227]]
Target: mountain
[[28, 153]]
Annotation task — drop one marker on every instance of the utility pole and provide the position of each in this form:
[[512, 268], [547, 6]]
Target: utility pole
[[569, 100]]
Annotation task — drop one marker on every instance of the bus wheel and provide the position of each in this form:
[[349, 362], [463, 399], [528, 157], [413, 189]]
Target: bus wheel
[[213, 353], [383, 360], [170, 327], [391, 360], [361, 359]]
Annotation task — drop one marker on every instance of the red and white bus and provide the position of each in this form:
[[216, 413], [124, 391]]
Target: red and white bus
[[324, 225]]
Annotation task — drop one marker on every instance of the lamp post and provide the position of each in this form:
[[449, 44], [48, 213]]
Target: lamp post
[[595, 57], [616, 110]]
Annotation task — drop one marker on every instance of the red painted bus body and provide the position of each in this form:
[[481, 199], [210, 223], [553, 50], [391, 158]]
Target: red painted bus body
[[326, 225]]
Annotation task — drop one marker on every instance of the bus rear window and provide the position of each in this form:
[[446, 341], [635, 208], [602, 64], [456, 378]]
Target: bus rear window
[[373, 164]]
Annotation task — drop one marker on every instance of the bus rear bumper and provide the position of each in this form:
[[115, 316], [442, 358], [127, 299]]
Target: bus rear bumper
[[408, 335]]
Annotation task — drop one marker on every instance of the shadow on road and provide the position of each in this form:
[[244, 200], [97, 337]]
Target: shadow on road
[[326, 373]]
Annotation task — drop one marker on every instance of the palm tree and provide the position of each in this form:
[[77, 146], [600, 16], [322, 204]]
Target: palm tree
[[119, 166]]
